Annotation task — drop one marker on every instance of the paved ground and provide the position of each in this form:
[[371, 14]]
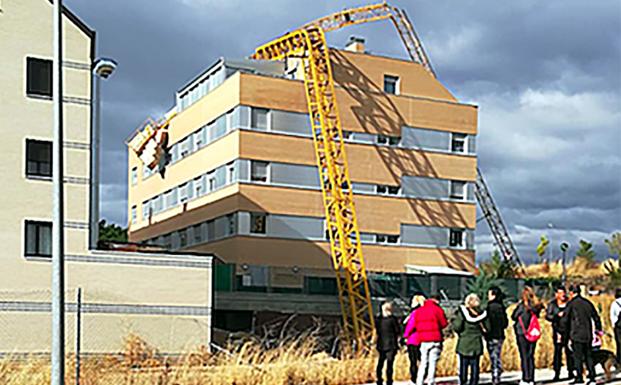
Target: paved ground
[[543, 376]]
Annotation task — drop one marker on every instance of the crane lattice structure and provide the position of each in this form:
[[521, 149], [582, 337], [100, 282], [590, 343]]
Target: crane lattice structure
[[494, 220]]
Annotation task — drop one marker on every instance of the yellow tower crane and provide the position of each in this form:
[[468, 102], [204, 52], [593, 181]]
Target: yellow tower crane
[[308, 44]]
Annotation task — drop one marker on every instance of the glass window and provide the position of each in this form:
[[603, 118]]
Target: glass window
[[198, 233], [183, 238], [211, 181], [134, 176], [382, 139], [392, 239], [458, 189], [230, 173], [394, 190], [38, 158], [146, 210], [381, 189], [199, 186], [456, 238], [39, 77], [258, 171], [38, 239], [380, 238], [134, 214], [394, 140], [230, 224], [259, 118], [257, 223], [183, 193], [391, 84], [211, 230], [458, 142]]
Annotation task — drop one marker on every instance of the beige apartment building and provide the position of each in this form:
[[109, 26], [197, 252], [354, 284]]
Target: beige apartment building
[[241, 181], [163, 297]]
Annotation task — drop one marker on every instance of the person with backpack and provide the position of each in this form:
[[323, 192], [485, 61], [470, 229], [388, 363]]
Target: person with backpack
[[556, 314], [468, 324], [615, 321], [429, 322], [411, 336], [583, 321], [495, 325], [387, 342], [527, 332]]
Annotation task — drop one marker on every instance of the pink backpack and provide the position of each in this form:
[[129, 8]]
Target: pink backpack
[[533, 333]]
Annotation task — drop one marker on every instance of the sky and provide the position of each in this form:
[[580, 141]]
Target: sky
[[546, 76]]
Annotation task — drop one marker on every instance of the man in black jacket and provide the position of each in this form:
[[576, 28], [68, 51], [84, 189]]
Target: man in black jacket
[[581, 316], [495, 325], [556, 314]]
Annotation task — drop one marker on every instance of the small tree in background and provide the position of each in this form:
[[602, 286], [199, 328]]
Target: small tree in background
[[542, 247], [586, 252], [498, 267], [614, 244], [111, 232]]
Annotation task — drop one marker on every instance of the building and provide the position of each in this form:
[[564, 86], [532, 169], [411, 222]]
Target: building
[[150, 293], [242, 182]]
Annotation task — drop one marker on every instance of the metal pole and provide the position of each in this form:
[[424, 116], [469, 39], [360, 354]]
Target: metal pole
[[95, 144], [78, 335], [58, 279]]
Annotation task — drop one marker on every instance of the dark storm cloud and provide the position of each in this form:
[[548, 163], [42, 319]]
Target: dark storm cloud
[[546, 76]]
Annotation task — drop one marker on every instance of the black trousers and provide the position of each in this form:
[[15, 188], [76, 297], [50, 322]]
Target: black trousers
[[414, 356], [557, 363], [583, 355], [388, 357], [527, 358], [618, 342], [469, 363]]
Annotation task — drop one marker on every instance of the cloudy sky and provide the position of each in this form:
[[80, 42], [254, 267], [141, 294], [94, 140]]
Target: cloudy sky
[[546, 76]]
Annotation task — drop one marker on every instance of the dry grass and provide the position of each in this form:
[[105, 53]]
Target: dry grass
[[294, 362]]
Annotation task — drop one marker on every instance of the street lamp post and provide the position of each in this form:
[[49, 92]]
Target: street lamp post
[[564, 247], [102, 69], [58, 242]]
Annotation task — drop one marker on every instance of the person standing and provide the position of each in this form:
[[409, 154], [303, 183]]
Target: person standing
[[495, 325], [556, 314], [615, 320], [581, 315], [411, 336], [528, 308], [429, 322], [468, 324], [387, 332]]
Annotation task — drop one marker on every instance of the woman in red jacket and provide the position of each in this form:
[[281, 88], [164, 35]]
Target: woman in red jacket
[[429, 322]]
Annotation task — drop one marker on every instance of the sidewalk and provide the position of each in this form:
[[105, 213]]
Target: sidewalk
[[543, 376]]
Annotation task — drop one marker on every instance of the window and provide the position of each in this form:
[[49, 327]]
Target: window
[[392, 239], [230, 222], [259, 118], [211, 180], [458, 142], [134, 176], [258, 171], [211, 230], [146, 210], [199, 186], [382, 139], [456, 238], [167, 241], [387, 190], [257, 223], [458, 190], [183, 238], [391, 84], [199, 138], [394, 140], [38, 158], [183, 193], [39, 77], [381, 189], [393, 190], [198, 234], [38, 239], [134, 214], [230, 173]]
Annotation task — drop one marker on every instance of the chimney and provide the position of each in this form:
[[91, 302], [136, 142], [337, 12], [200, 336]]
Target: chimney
[[355, 44]]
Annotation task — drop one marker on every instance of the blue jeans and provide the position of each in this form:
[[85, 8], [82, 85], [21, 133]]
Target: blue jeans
[[494, 348], [469, 363]]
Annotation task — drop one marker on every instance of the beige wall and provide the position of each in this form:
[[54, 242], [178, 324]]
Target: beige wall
[[124, 284]]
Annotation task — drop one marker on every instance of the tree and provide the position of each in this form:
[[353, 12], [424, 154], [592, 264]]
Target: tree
[[482, 283], [499, 267], [542, 247], [586, 252], [111, 232], [614, 244]]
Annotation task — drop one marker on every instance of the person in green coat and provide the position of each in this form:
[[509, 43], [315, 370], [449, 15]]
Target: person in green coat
[[469, 326]]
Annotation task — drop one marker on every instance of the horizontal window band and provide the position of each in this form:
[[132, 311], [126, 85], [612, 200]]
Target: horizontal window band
[[76, 65], [119, 260], [107, 308]]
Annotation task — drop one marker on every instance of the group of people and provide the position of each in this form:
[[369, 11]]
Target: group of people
[[576, 326]]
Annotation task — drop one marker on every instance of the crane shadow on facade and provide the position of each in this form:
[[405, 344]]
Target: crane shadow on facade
[[377, 113]]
